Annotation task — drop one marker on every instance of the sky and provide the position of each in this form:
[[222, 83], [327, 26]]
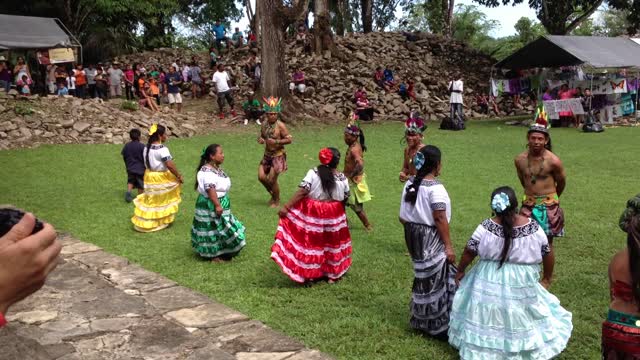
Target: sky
[[507, 16]]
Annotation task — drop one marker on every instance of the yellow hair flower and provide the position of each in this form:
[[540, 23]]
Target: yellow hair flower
[[153, 129]]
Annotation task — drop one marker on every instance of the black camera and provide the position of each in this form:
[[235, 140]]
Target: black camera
[[10, 216]]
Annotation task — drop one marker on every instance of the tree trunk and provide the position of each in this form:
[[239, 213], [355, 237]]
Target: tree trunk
[[340, 17], [274, 76], [447, 15], [257, 16], [366, 10], [450, 17], [322, 34], [250, 15]]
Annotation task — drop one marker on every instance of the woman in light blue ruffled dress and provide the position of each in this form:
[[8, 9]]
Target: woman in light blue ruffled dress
[[502, 310]]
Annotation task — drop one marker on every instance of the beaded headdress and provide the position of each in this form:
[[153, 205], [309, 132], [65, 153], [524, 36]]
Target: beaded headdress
[[353, 128], [272, 104], [538, 128], [541, 117], [414, 125]]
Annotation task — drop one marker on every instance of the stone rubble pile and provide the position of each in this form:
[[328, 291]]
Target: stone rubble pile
[[431, 61], [68, 120]]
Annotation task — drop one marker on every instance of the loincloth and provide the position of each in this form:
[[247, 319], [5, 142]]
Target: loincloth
[[277, 162], [545, 209]]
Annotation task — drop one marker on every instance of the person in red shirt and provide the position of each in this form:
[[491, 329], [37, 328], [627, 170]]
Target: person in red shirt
[[378, 77], [411, 92], [128, 82], [252, 40]]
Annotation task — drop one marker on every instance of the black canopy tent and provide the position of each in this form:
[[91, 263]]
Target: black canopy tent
[[591, 52], [29, 32]]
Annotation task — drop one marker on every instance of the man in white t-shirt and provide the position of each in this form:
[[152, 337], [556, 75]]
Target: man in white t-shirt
[[221, 80], [456, 91], [115, 79]]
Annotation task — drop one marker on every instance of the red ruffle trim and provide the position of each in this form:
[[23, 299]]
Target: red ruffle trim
[[620, 338], [313, 242]]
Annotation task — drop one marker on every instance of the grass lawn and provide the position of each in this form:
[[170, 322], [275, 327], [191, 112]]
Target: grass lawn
[[80, 188]]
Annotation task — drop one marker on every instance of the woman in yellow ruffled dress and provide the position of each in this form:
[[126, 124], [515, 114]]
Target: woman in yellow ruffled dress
[[156, 208]]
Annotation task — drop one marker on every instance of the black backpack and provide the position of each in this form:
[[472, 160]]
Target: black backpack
[[591, 124], [449, 124]]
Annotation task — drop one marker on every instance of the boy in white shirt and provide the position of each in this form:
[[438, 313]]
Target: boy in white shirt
[[221, 80], [456, 91], [71, 85]]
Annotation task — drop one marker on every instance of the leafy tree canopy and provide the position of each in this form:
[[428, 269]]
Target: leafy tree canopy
[[562, 17]]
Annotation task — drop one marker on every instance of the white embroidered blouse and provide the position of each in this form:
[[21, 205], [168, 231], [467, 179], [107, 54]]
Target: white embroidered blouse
[[528, 246], [431, 196], [158, 155], [313, 185], [210, 177]]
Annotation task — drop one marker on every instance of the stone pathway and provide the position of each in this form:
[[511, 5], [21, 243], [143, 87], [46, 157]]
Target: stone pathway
[[99, 306]]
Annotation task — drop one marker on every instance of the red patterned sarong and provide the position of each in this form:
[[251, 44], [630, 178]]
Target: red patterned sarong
[[313, 241], [621, 337]]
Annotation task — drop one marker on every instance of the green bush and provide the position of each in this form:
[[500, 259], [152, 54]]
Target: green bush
[[129, 105], [23, 109]]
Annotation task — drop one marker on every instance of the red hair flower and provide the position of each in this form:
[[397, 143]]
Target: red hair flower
[[325, 156]]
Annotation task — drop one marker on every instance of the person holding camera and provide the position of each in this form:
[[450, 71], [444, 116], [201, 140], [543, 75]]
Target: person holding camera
[[28, 253]]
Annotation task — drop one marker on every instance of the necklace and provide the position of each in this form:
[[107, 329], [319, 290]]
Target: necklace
[[534, 177], [271, 129], [413, 152]]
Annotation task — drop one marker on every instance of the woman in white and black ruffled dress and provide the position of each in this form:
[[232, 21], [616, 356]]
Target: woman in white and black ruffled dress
[[425, 212]]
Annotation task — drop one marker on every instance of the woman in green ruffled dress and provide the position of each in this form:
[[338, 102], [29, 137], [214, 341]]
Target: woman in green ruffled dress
[[216, 234]]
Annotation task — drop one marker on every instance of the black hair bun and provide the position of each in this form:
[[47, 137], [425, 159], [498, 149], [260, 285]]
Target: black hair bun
[[9, 217]]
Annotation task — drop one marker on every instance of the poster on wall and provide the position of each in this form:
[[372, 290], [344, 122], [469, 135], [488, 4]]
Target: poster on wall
[[56, 56], [61, 55]]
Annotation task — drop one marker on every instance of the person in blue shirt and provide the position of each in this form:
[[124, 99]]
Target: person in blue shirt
[[388, 78], [219, 30], [62, 89], [237, 38]]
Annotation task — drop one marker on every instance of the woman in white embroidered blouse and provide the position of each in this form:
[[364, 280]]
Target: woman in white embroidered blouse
[[216, 233], [425, 212], [501, 310], [156, 208], [313, 240]]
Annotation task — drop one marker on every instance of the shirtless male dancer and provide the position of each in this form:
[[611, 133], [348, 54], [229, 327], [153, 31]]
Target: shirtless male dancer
[[414, 128], [274, 134], [354, 171], [542, 176]]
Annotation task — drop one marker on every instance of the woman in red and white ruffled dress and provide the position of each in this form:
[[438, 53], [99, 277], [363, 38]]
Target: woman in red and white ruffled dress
[[313, 240]]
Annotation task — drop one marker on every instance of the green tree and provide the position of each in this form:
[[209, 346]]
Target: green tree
[[528, 30], [425, 15], [587, 28], [614, 22], [562, 17], [110, 27], [472, 26], [558, 17]]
